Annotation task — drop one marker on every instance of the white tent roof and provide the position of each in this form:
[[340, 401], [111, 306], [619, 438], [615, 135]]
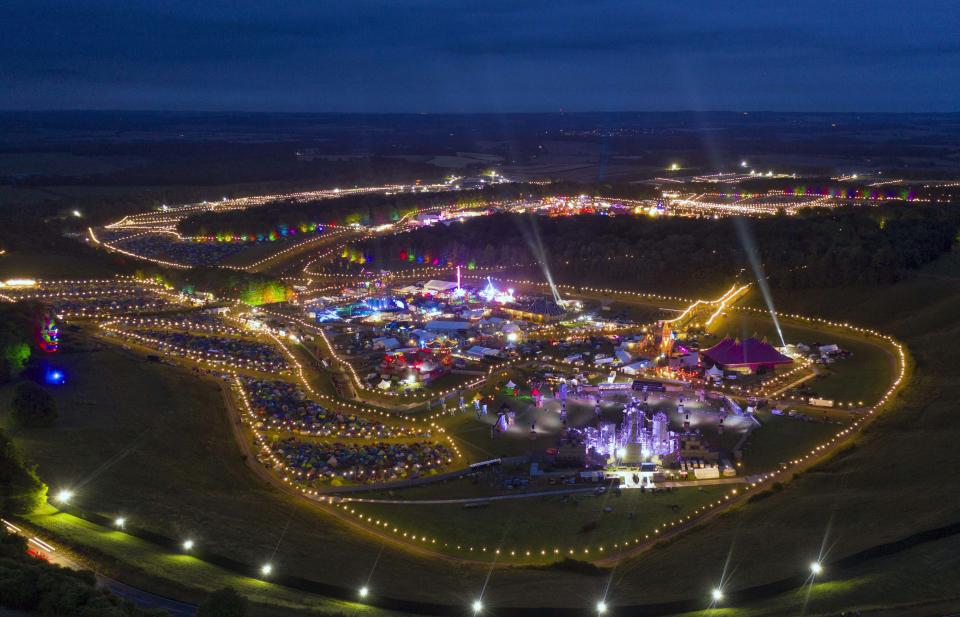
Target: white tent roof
[[480, 350], [423, 334], [635, 367], [435, 285]]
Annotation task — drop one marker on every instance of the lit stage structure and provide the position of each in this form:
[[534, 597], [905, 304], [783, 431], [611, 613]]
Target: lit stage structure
[[634, 439]]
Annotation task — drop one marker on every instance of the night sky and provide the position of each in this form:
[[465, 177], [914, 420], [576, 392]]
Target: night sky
[[485, 56]]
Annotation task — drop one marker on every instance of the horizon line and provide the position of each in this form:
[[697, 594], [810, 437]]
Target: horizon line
[[469, 113]]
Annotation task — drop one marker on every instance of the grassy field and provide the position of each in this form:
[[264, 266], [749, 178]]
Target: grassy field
[[170, 573], [154, 445], [919, 581], [540, 525], [864, 376], [780, 439]]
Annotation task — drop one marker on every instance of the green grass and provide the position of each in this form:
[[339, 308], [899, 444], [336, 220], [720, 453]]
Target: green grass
[[782, 438], [153, 444], [864, 376], [117, 547], [534, 524], [918, 581]]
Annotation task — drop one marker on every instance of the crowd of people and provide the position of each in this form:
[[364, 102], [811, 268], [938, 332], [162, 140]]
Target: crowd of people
[[318, 463], [285, 406]]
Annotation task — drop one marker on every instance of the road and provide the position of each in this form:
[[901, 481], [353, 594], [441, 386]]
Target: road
[[143, 599]]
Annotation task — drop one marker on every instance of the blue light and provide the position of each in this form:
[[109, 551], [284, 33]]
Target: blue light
[[55, 377]]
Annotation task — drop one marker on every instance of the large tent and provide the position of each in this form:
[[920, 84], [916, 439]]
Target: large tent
[[439, 286], [752, 354]]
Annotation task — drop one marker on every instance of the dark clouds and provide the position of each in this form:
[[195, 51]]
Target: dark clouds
[[495, 55]]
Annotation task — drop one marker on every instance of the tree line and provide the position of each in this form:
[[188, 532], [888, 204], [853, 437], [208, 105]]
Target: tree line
[[816, 248]]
